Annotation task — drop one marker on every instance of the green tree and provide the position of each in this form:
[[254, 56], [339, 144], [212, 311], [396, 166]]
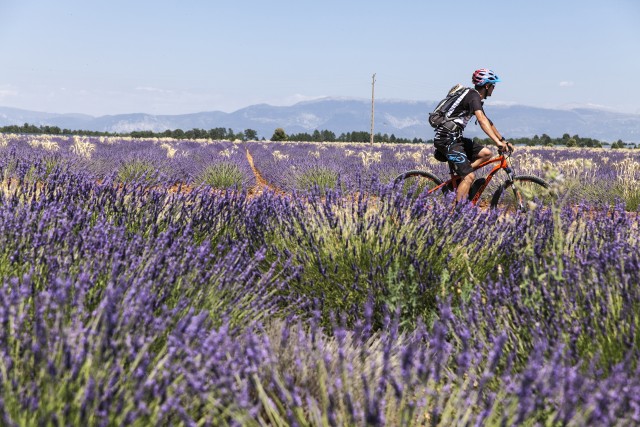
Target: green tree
[[217, 133], [618, 144], [250, 135], [279, 135], [328, 136]]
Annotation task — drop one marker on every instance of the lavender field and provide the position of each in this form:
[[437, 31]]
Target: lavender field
[[164, 282]]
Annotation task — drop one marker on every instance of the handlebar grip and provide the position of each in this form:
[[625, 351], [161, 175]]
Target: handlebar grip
[[505, 150]]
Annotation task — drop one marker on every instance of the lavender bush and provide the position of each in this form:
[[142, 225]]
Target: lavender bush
[[131, 305]]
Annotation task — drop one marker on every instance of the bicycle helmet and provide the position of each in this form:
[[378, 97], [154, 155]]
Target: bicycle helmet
[[484, 76]]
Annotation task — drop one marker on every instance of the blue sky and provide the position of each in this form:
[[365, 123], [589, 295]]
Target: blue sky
[[186, 56]]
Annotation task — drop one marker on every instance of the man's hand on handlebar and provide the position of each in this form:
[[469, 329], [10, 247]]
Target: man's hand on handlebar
[[505, 147]]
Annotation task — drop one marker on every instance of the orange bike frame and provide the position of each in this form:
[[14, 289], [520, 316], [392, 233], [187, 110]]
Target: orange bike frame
[[455, 179]]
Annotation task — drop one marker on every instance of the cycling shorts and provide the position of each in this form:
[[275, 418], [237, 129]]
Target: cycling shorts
[[460, 153]]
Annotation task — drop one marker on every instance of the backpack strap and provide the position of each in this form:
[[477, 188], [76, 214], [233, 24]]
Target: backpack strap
[[455, 104]]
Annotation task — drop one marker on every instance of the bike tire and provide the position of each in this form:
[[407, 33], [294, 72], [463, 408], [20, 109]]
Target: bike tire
[[515, 195], [416, 182]]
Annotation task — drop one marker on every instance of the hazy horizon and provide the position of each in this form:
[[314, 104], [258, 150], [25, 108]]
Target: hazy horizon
[[169, 58]]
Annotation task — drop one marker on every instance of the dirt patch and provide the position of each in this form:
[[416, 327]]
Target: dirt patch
[[261, 183]]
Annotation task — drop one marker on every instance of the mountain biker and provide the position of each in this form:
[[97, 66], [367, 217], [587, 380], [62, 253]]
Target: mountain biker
[[463, 154]]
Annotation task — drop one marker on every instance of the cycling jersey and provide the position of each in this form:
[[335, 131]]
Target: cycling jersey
[[462, 113], [459, 151]]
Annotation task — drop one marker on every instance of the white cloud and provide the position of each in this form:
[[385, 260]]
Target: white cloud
[[566, 84], [292, 99], [402, 123], [501, 103], [153, 90], [589, 105], [6, 93]]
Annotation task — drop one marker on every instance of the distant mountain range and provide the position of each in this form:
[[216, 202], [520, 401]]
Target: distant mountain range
[[402, 118]]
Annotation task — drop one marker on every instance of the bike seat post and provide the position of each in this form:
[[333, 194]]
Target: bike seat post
[[453, 175], [451, 171]]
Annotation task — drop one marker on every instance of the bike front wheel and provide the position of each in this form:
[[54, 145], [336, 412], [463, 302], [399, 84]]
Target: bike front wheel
[[517, 195]]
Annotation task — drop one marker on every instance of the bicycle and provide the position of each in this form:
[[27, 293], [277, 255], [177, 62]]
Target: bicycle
[[523, 187]]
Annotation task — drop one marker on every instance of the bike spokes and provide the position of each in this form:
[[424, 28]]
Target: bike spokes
[[521, 194]]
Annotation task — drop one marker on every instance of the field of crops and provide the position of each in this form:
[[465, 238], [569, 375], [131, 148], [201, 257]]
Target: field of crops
[[164, 282]]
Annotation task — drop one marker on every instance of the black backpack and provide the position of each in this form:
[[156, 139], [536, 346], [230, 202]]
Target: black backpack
[[441, 115]]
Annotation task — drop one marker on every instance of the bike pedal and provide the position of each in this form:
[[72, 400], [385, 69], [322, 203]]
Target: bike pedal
[[477, 184], [447, 188]]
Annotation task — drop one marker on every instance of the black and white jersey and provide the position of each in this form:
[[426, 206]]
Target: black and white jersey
[[463, 113]]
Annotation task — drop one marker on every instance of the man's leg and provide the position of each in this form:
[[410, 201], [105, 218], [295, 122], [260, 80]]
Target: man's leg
[[467, 181], [464, 186], [484, 155], [460, 154]]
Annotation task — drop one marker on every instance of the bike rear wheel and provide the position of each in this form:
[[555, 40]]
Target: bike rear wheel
[[416, 182], [516, 195]]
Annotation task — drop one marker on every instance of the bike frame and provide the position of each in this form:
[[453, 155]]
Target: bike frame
[[501, 164]]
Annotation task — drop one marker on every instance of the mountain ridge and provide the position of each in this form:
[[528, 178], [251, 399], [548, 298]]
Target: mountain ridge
[[402, 118]]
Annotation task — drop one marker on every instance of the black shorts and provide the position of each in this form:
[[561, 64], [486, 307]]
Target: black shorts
[[460, 153]]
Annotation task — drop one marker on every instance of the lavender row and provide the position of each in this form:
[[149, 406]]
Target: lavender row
[[593, 175], [152, 160], [349, 167]]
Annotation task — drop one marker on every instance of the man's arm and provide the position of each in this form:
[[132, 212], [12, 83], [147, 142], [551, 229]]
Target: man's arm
[[491, 131]]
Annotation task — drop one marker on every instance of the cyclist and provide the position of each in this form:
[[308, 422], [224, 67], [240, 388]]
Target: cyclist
[[463, 154]]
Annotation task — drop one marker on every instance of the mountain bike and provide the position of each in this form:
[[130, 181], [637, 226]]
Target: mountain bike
[[513, 192]]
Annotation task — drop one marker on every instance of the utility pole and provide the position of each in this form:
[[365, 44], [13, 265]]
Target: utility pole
[[373, 85]]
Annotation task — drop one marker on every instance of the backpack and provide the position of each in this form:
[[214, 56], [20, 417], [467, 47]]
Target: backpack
[[441, 115]]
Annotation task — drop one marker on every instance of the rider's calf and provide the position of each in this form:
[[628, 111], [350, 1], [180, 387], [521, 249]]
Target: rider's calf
[[469, 178]]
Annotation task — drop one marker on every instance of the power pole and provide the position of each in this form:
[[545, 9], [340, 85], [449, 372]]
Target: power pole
[[373, 85]]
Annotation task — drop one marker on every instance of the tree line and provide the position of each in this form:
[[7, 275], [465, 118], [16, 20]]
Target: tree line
[[50, 130], [566, 140], [279, 134], [329, 136], [215, 133]]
